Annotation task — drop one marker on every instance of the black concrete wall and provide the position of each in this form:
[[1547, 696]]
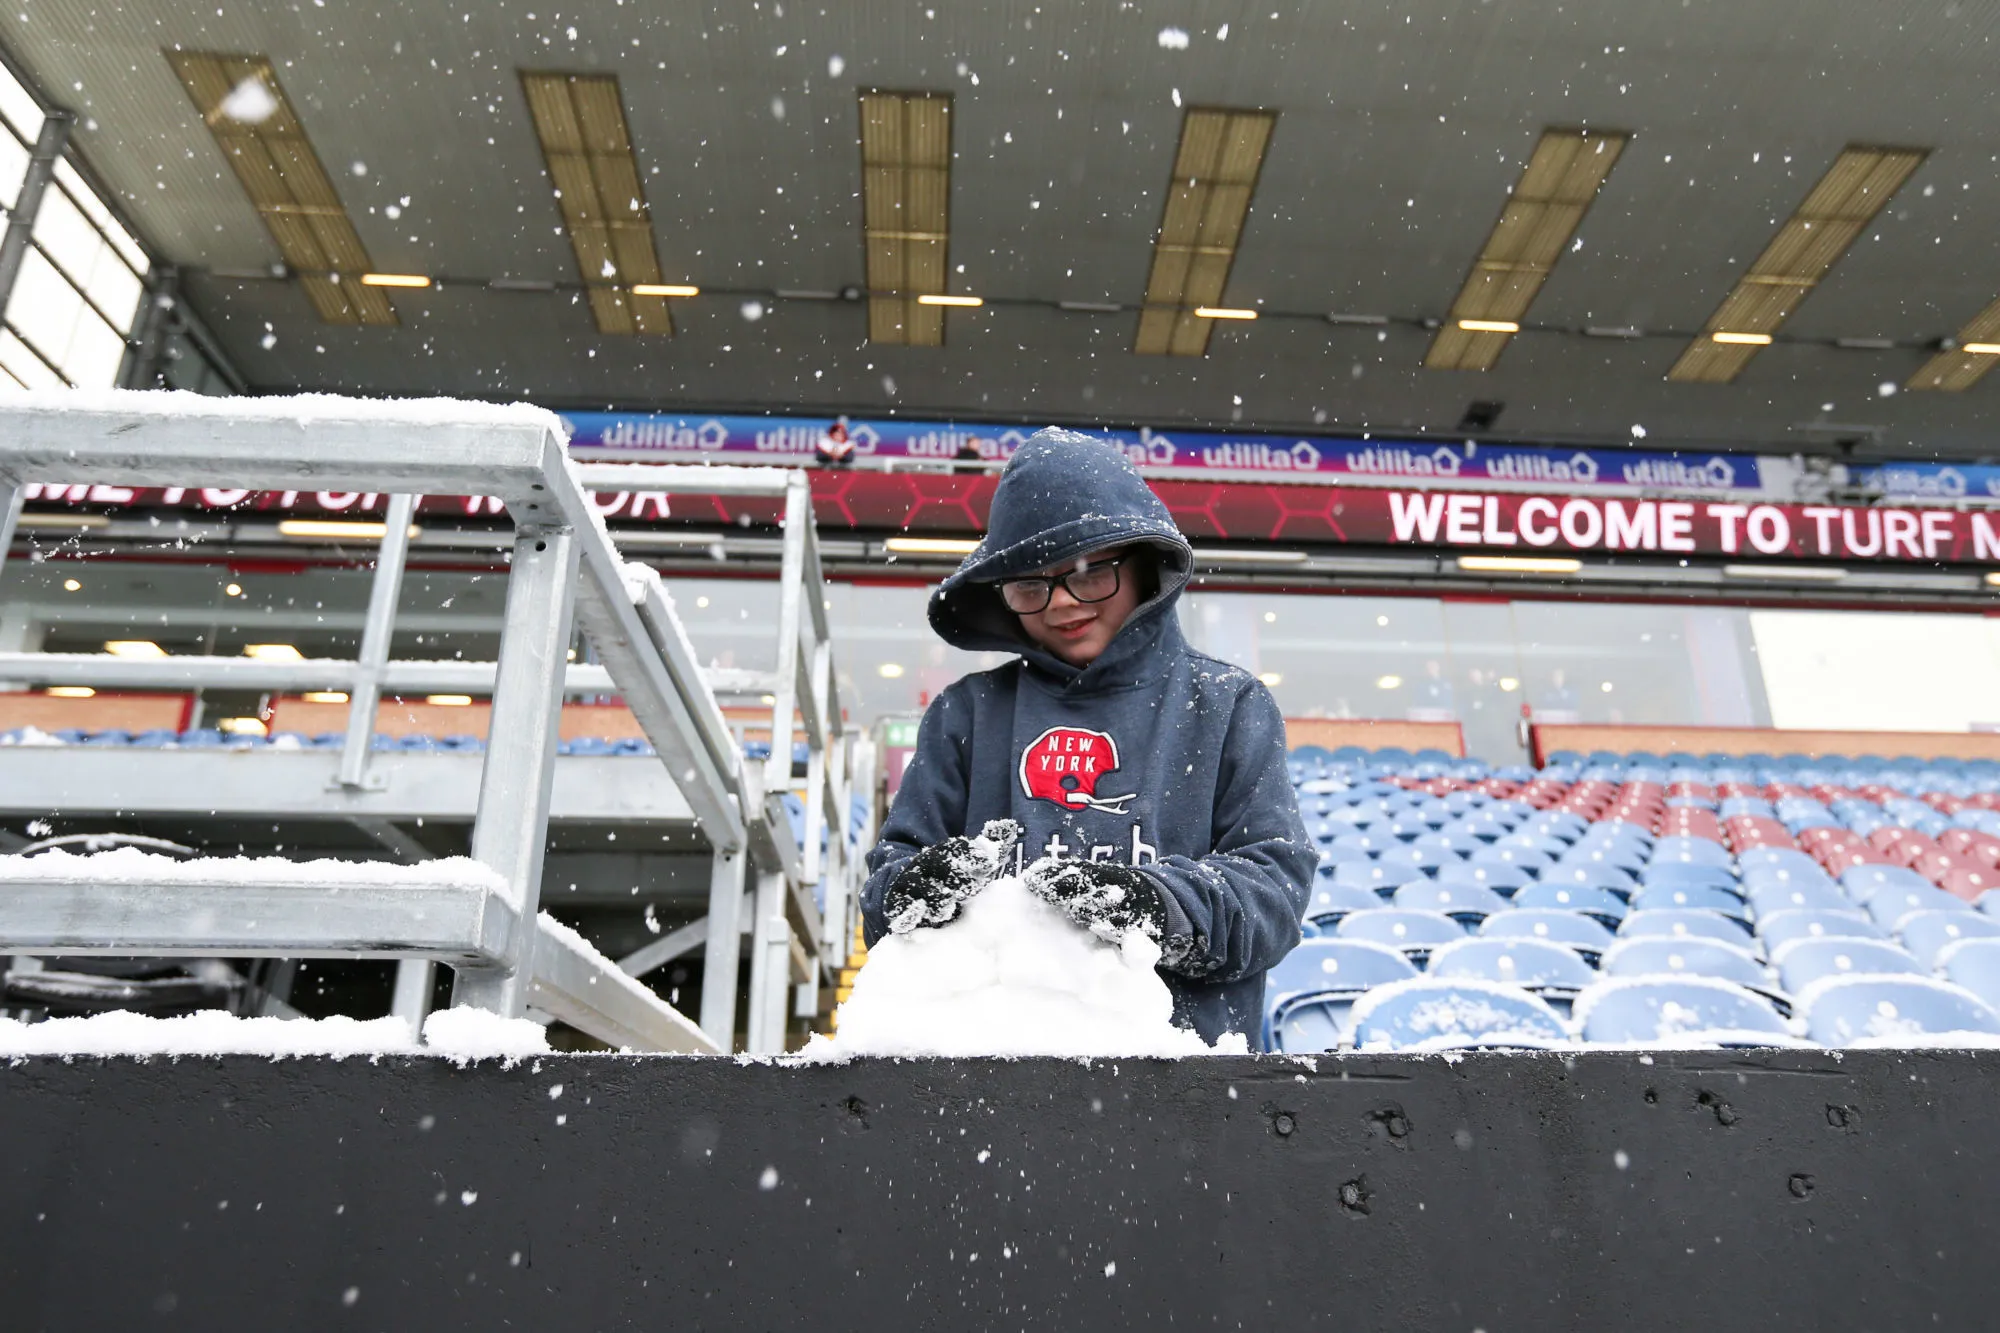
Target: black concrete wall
[[1497, 1192]]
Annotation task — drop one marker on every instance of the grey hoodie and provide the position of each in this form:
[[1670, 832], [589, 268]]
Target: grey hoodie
[[1154, 755]]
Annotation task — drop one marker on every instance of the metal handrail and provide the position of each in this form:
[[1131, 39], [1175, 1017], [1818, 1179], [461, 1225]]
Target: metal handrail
[[564, 569]]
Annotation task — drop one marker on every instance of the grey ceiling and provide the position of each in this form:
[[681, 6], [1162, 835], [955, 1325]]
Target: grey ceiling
[[1400, 129]]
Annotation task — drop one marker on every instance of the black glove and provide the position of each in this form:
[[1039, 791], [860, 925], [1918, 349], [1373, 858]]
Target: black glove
[[1105, 898], [935, 883]]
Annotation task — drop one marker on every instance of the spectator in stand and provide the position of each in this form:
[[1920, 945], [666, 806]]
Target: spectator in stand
[[968, 458], [1133, 783], [834, 448]]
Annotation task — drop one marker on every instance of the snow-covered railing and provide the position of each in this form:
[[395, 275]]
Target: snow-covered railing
[[564, 570], [805, 694]]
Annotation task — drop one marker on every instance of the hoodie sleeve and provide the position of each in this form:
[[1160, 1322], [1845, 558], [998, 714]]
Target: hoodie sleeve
[[1236, 911], [929, 806]]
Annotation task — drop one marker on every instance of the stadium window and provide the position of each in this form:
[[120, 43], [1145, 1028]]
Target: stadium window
[[81, 280]]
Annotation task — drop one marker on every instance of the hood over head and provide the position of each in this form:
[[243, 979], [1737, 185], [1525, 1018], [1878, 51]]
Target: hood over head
[[1062, 495]]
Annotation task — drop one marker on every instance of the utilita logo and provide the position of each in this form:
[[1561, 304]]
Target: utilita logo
[[1064, 765]]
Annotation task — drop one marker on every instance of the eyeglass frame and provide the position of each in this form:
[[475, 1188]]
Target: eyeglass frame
[[1114, 563]]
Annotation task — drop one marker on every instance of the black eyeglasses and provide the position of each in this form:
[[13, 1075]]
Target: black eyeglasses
[[1094, 582]]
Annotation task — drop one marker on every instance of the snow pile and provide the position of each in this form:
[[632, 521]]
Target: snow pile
[[31, 736], [304, 408], [1011, 976], [210, 1032], [455, 1034], [480, 1034], [128, 865]]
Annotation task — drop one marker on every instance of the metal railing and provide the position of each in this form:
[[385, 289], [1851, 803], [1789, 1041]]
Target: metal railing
[[564, 571]]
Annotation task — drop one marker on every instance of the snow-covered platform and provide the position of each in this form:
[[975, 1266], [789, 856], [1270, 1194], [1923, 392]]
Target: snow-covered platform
[[1718, 1190]]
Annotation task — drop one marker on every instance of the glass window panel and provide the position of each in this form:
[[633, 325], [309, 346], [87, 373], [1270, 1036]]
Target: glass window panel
[[13, 166], [44, 307], [86, 199], [115, 288], [24, 364], [1861, 670], [95, 352], [20, 110], [69, 239]]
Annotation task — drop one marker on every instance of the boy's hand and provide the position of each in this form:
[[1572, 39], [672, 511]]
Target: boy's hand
[[935, 883], [1106, 899]]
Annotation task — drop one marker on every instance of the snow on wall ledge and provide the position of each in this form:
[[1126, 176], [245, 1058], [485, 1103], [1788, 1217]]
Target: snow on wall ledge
[[454, 1034], [1011, 977]]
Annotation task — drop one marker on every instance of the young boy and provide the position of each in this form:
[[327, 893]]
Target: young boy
[[1133, 782]]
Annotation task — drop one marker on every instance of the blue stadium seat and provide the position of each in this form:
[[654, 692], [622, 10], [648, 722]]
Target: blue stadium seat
[[1527, 858], [1693, 1011], [1806, 923], [1889, 905], [1973, 964], [1412, 860], [1535, 964], [1893, 1011], [1414, 933], [1602, 875], [1587, 935], [1705, 897], [1603, 904], [1330, 901], [1366, 875], [1698, 850], [1332, 964], [1800, 963], [1334, 855], [1430, 1014], [1675, 874], [1780, 858], [1688, 955], [1928, 934], [1864, 881], [1687, 923], [1824, 897], [1502, 879], [1467, 904]]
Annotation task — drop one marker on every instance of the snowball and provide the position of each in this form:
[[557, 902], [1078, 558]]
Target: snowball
[[1011, 976]]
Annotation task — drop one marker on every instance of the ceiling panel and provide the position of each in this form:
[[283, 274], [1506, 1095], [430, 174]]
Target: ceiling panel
[[1403, 128]]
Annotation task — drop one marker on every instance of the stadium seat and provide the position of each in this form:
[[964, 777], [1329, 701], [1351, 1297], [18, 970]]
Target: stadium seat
[[1535, 964], [1587, 935], [1365, 875], [1431, 1014], [1705, 897], [1864, 881], [1331, 901], [1602, 875], [1694, 956], [1414, 933], [1888, 906], [1603, 904], [1975, 965], [1677, 874], [1467, 904], [1895, 1011], [1334, 972], [1800, 963], [1928, 934], [1768, 898], [1805, 923], [1691, 1011], [1687, 923], [1502, 879]]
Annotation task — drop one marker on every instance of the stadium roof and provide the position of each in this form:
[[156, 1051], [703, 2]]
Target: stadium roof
[[1399, 132]]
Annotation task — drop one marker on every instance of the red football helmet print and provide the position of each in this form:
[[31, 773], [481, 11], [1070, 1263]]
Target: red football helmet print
[[1065, 764]]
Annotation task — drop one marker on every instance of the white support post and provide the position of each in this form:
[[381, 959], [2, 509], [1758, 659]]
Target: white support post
[[770, 966], [791, 580], [415, 978], [722, 953], [510, 829], [377, 632], [10, 518]]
